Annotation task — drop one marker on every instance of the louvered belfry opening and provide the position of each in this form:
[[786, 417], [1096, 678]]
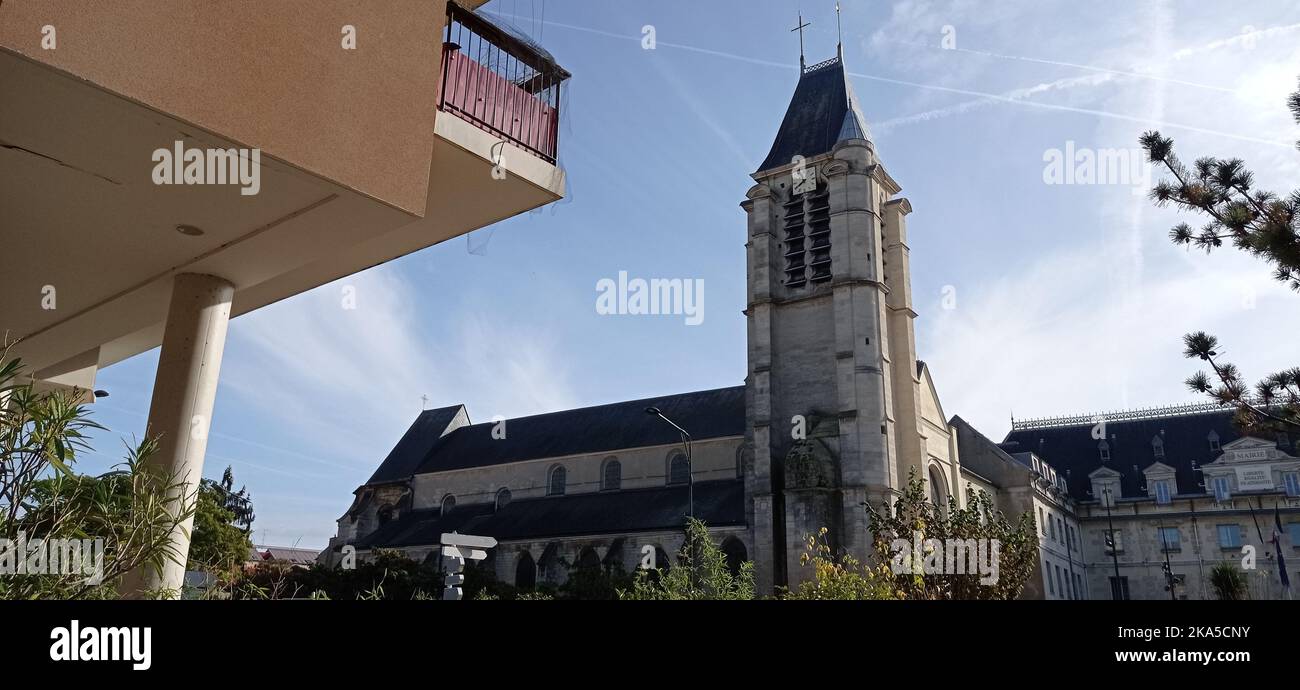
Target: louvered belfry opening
[[795, 266], [818, 214], [807, 240]]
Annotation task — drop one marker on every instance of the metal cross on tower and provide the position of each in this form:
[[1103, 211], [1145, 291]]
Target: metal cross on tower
[[802, 25]]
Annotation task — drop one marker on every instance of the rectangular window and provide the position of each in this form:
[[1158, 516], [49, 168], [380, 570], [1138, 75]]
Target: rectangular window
[[1051, 524], [1119, 588], [1162, 492], [1078, 591], [1291, 480], [1222, 489], [1116, 542], [1060, 582], [1169, 539], [1051, 588], [1229, 536], [1294, 530]]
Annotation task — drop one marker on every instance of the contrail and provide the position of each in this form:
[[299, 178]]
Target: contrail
[[933, 87], [1058, 63]]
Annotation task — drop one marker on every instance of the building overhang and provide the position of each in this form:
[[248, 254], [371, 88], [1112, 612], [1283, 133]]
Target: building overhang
[[94, 241]]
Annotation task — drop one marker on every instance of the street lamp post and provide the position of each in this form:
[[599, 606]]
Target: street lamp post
[[690, 466], [1110, 539], [1169, 568]]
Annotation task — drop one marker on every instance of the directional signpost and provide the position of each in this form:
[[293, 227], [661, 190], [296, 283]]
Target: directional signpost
[[456, 548]]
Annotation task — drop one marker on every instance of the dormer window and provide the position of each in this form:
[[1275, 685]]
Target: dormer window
[[1213, 438], [1158, 447], [1282, 440], [1103, 449], [1222, 489], [448, 503], [1162, 492]]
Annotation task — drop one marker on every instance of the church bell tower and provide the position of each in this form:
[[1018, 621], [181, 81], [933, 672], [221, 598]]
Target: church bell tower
[[829, 318]]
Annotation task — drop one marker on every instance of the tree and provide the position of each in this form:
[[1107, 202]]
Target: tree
[[914, 519], [125, 517], [701, 573], [1228, 581], [218, 544], [1256, 221], [1276, 402], [237, 503], [840, 577]]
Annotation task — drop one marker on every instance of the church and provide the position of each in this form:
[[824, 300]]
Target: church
[[835, 410]]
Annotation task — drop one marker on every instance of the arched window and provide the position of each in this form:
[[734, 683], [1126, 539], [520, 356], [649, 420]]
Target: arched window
[[448, 503], [613, 560], [734, 550], [741, 453], [549, 567], [589, 559], [555, 483], [503, 498], [525, 572], [679, 469], [385, 514], [611, 475], [662, 562], [937, 494]]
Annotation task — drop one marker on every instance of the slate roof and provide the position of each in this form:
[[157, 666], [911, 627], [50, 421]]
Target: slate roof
[[718, 503], [717, 413], [1185, 439], [822, 113], [290, 554], [414, 445]]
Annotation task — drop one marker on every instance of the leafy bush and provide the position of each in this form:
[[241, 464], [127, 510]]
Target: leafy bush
[[132, 511], [701, 573], [1228, 581]]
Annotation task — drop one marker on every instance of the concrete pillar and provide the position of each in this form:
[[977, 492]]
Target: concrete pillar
[[184, 390]]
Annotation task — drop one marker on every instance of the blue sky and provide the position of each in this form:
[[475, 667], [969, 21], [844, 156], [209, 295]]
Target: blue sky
[[1066, 298]]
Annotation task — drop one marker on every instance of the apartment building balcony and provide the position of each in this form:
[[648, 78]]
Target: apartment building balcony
[[165, 166], [367, 154]]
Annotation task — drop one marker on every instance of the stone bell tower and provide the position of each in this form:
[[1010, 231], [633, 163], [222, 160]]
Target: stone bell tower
[[822, 301]]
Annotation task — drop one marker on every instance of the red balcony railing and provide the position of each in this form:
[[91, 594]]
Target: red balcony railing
[[500, 82]]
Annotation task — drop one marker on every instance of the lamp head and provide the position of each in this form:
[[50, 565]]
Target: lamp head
[[653, 410]]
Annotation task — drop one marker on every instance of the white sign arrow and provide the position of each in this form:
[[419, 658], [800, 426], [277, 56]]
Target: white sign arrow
[[456, 539]]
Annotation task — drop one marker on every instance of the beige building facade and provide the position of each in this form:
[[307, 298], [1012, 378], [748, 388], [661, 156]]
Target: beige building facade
[[1159, 497], [168, 166]]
